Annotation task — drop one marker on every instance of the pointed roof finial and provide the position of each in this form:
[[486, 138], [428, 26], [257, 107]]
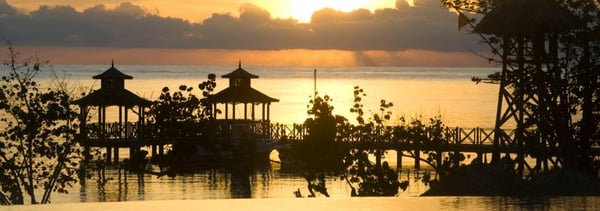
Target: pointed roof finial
[[240, 64], [112, 64]]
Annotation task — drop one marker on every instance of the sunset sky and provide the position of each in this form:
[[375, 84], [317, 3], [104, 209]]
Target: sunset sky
[[259, 32]]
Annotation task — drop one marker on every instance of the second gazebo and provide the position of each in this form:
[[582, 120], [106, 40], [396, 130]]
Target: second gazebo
[[240, 91]]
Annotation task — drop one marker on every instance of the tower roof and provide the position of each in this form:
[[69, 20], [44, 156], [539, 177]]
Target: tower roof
[[105, 97], [112, 91], [239, 73], [526, 17], [241, 95], [112, 73]]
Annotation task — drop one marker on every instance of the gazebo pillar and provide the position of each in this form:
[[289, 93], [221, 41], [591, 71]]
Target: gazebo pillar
[[245, 111], [263, 111], [253, 113], [214, 111], [226, 111], [126, 123], [102, 133], [120, 136], [268, 111], [100, 129], [121, 121], [233, 110]]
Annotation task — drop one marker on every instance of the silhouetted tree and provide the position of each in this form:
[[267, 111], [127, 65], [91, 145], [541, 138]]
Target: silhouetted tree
[[38, 151], [365, 178], [582, 47], [319, 153], [373, 129], [181, 114], [319, 150], [178, 113]]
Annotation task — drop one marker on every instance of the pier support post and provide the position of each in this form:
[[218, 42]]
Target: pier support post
[[161, 150], [398, 160], [417, 159], [116, 156], [108, 155], [154, 150], [479, 157], [131, 152]]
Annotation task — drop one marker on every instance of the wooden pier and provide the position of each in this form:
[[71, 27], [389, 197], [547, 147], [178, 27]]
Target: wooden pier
[[458, 140], [136, 134]]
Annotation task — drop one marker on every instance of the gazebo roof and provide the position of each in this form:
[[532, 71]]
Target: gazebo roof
[[239, 73], [112, 73], [241, 95], [109, 97], [526, 17]]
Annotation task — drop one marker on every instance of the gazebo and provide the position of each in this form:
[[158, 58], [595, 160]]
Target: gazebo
[[240, 91], [122, 133]]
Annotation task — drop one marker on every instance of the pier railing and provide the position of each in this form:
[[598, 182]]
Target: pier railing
[[296, 132], [113, 130], [454, 135]]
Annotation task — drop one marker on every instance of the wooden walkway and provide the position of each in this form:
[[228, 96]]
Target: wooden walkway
[[478, 140], [456, 140]]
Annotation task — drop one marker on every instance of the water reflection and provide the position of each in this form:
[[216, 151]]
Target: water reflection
[[240, 182], [113, 184], [270, 182]]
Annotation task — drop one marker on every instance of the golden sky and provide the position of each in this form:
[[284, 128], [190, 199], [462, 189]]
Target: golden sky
[[197, 10], [265, 32]]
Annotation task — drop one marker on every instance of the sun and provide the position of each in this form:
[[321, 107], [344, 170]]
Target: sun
[[302, 10]]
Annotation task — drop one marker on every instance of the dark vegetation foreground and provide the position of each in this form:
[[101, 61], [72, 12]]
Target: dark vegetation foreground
[[489, 180]]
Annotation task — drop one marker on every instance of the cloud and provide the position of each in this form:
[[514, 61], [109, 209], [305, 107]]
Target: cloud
[[6, 9], [426, 26]]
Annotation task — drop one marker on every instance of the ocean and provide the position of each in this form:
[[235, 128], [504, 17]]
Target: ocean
[[416, 92]]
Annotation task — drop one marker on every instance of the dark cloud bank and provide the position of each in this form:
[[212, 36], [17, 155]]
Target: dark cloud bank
[[426, 26]]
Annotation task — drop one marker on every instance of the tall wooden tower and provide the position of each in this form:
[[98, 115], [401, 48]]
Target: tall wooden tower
[[529, 84]]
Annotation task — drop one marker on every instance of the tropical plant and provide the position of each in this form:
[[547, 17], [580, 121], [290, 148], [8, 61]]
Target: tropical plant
[[38, 150], [319, 150], [365, 178], [180, 112]]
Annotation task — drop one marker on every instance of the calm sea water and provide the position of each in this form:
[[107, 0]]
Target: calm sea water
[[415, 92]]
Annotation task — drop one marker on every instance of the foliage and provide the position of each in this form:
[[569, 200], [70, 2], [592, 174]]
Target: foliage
[[182, 114], [375, 129], [365, 178], [177, 114], [319, 150], [37, 146], [582, 47]]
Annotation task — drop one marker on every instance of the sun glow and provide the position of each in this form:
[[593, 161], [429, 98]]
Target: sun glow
[[302, 10]]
